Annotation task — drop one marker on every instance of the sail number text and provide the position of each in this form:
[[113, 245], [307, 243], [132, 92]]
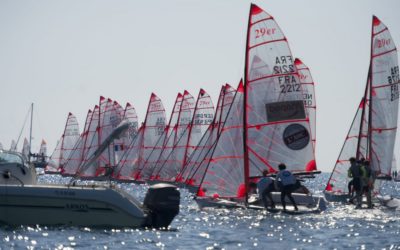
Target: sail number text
[[394, 80]]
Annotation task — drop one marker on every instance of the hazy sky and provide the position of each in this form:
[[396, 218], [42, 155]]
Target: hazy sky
[[62, 55]]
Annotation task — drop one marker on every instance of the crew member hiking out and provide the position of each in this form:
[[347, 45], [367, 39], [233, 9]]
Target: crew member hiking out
[[286, 182], [264, 188]]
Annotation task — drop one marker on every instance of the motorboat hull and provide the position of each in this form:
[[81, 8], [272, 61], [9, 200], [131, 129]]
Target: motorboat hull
[[69, 205]]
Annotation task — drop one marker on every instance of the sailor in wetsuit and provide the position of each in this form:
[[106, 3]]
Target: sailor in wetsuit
[[287, 183]]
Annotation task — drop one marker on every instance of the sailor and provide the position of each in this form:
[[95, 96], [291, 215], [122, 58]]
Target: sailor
[[355, 173], [264, 188], [368, 180], [286, 182]]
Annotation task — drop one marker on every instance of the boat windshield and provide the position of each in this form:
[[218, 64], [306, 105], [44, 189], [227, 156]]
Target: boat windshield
[[7, 157]]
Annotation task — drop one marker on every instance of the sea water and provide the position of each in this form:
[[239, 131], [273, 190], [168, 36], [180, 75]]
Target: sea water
[[340, 226]]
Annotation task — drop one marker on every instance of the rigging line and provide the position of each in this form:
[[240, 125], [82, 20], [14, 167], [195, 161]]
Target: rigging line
[[22, 129]]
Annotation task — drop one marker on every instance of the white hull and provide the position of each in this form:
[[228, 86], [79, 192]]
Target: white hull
[[308, 201], [63, 205], [14, 170]]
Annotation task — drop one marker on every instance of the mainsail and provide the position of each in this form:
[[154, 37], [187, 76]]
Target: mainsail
[[163, 142], [202, 118], [75, 158], [90, 145], [384, 98], [338, 180], [144, 142], [308, 88], [277, 128], [171, 156], [64, 146], [224, 175], [197, 164]]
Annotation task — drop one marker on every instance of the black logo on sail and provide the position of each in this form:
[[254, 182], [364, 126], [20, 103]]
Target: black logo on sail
[[296, 136]]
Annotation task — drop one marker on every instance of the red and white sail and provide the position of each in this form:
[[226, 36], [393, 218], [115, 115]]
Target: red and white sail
[[130, 159], [308, 88], [224, 172], [154, 128], [197, 165], [90, 145], [64, 146], [131, 116], [165, 169], [203, 116], [384, 98], [163, 142], [355, 139], [117, 147], [276, 125], [76, 155]]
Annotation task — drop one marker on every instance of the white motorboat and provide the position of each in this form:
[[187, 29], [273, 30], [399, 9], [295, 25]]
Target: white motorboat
[[24, 202]]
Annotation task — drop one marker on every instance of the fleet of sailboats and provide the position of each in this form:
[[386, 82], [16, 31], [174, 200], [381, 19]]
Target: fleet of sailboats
[[269, 119]]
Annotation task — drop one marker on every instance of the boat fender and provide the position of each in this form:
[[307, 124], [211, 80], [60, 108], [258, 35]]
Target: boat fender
[[162, 202]]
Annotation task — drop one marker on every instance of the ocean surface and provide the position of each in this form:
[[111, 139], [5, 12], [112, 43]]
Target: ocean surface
[[339, 227]]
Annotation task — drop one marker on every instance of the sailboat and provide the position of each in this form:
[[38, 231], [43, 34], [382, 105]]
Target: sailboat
[[267, 123], [373, 131]]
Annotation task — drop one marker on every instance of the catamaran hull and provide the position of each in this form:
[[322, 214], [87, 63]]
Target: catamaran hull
[[312, 202], [62, 205]]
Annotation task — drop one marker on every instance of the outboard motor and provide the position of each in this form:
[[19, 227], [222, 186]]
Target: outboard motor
[[162, 201]]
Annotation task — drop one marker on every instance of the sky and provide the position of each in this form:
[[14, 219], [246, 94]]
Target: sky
[[63, 55]]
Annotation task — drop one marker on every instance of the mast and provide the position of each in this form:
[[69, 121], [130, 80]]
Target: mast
[[30, 135], [364, 101], [370, 92], [245, 135]]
